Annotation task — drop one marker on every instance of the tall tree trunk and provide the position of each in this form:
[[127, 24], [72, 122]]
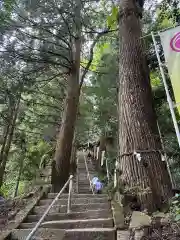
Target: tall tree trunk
[[61, 165], [6, 132], [61, 169], [19, 175], [137, 119], [9, 141]]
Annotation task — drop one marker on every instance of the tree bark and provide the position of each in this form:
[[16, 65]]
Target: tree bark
[[61, 169], [61, 165], [6, 132], [137, 118], [5, 153], [19, 176]]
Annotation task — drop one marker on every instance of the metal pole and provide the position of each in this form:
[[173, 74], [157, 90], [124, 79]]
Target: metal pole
[[107, 171], [167, 91], [165, 155], [77, 176], [115, 178], [69, 196], [102, 158], [31, 234]]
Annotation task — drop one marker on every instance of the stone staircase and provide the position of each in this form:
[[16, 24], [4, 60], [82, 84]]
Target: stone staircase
[[82, 180], [90, 217]]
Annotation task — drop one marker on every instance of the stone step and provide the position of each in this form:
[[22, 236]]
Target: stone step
[[69, 234], [83, 182], [87, 188], [105, 213], [82, 161], [72, 224], [85, 179], [90, 167], [53, 195], [91, 234], [83, 191], [83, 170], [84, 185], [74, 208], [82, 165], [48, 234], [73, 201], [83, 176]]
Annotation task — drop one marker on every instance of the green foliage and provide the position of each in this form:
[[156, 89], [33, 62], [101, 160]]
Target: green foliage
[[6, 10], [112, 19], [109, 189], [8, 187], [175, 208], [99, 95], [36, 65]]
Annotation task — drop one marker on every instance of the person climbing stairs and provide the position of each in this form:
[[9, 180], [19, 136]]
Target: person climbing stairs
[[90, 217]]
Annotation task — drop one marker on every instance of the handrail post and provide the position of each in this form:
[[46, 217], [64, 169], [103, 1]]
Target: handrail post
[[107, 171], [77, 177], [69, 196]]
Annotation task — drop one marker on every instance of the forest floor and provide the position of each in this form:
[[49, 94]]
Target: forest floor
[[10, 207], [8, 210]]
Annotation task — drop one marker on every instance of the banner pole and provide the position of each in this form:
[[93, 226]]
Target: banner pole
[[167, 91], [166, 157]]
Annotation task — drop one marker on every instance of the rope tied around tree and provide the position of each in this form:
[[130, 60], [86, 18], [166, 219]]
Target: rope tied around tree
[[140, 151], [137, 153]]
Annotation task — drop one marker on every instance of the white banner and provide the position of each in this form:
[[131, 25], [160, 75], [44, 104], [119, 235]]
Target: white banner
[[171, 44]]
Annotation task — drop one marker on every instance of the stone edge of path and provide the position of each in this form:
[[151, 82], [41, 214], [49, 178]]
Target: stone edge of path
[[118, 215], [22, 214]]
